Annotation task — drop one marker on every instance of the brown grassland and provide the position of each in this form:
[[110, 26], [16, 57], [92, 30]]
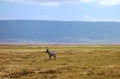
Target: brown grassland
[[73, 62]]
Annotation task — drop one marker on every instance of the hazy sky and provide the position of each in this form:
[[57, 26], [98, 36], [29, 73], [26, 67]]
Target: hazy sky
[[65, 10]]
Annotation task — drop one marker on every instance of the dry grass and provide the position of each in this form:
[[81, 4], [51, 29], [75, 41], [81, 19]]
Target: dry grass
[[73, 62]]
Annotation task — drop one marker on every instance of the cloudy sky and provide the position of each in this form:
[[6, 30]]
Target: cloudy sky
[[62, 10]]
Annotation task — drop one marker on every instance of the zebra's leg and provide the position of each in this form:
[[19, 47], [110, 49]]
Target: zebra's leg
[[54, 57], [49, 57]]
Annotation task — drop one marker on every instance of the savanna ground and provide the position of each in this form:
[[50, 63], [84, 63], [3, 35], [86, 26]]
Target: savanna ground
[[73, 62]]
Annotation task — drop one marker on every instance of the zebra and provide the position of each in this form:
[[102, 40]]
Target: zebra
[[51, 53]]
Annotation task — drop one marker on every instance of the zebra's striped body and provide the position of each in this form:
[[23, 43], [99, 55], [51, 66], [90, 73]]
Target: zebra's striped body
[[51, 54]]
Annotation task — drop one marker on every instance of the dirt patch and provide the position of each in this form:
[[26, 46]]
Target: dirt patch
[[17, 74]]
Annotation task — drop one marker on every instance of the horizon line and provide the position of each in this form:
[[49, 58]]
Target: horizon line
[[55, 20]]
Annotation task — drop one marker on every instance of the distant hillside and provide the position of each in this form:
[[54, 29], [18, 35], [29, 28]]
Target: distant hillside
[[36, 31]]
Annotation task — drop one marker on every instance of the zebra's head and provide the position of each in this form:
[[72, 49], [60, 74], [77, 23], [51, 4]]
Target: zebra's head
[[47, 50]]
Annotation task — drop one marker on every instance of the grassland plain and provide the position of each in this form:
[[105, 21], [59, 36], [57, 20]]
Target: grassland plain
[[73, 62]]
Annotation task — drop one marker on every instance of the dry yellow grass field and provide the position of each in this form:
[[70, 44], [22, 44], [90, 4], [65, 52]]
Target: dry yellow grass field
[[73, 62]]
